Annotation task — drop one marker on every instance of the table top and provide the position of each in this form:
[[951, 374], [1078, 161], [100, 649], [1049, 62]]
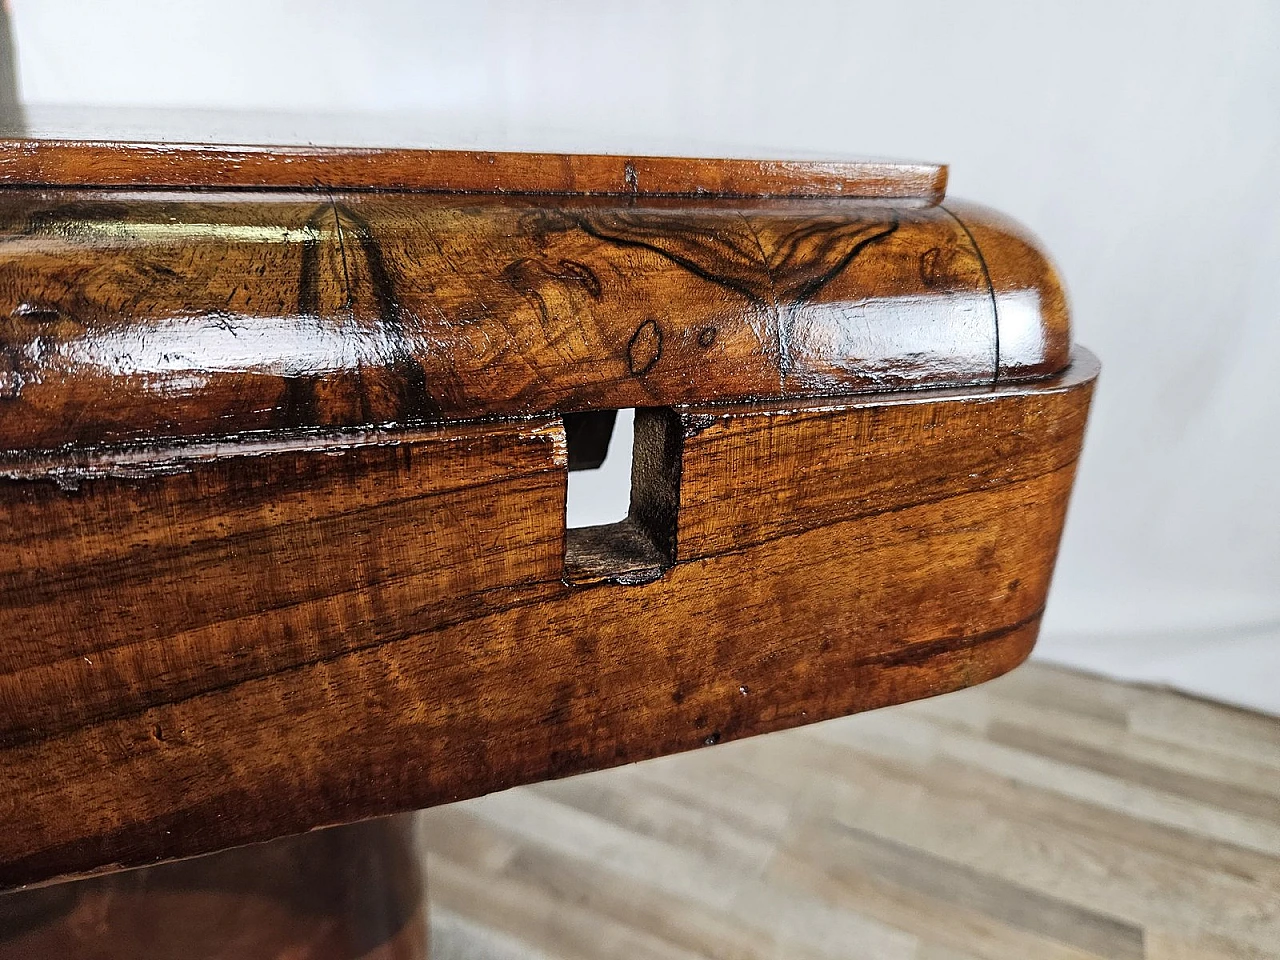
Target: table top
[[110, 147]]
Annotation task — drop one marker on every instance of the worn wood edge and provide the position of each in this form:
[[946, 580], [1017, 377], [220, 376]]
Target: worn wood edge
[[109, 164], [140, 460], [1084, 366], [147, 459]]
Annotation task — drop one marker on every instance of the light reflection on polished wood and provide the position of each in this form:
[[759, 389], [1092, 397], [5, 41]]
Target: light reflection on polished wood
[[135, 317], [1047, 815]]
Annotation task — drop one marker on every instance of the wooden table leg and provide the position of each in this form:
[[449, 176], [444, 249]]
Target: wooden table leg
[[348, 893]]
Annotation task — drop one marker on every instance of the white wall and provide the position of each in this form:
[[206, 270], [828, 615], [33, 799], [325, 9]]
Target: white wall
[[1140, 140]]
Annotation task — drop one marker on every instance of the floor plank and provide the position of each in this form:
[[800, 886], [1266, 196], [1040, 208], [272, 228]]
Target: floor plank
[[1048, 815]]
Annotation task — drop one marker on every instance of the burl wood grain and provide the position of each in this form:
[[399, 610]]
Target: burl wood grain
[[210, 644], [350, 893], [129, 316]]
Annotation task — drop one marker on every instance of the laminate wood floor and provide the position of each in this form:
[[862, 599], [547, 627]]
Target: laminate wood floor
[[1047, 814]]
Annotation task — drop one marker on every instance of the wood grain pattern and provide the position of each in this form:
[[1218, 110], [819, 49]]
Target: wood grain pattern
[[351, 893], [208, 149], [1033, 330], [282, 555], [143, 316], [433, 651], [115, 164], [1048, 815], [284, 434]]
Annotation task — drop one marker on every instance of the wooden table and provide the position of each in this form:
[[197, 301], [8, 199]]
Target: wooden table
[[284, 439]]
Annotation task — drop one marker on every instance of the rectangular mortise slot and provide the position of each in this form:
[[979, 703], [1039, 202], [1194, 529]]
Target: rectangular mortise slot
[[641, 546]]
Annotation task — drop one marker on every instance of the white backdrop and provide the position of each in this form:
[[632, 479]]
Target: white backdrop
[[1139, 140]]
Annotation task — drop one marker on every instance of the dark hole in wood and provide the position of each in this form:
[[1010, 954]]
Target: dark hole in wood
[[640, 547]]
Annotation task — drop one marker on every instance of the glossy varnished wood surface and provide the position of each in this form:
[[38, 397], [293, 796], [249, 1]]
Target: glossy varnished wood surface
[[108, 164], [138, 317], [45, 146], [283, 455], [213, 645], [1047, 815]]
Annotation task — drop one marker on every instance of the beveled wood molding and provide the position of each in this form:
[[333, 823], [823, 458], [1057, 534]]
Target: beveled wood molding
[[141, 317]]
